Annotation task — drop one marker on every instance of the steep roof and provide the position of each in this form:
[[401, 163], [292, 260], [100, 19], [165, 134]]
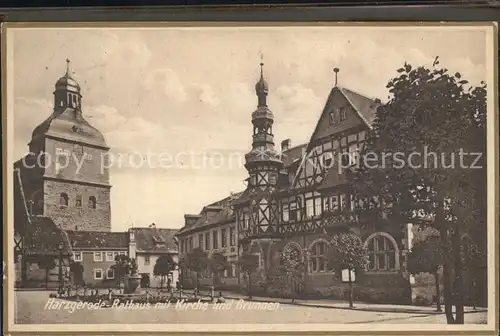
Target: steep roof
[[44, 238], [64, 124], [365, 107], [98, 240], [293, 154], [155, 240], [224, 214]]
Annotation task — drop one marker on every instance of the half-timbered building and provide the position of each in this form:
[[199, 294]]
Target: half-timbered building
[[296, 197]]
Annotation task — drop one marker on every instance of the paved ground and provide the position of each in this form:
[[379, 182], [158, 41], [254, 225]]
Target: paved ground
[[30, 308]]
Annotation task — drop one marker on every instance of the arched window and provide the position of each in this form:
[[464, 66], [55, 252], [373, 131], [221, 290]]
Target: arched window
[[382, 253], [63, 199], [92, 202], [318, 259]]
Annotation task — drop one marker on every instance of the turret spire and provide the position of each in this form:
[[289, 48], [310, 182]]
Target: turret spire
[[336, 70], [262, 66], [261, 88]]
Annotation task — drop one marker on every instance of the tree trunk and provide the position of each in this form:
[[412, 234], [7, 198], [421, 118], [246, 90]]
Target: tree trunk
[[249, 285], [444, 242], [161, 282], [197, 281], [351, 303], [438, 291], [458, 283], [47, 278], [474, 294]]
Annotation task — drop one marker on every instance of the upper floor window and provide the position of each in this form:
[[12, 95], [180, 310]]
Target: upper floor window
[[318, 258], [215, 242], [207, 241], [232, 236], [77, 256], [223, 237], [200, 241], [97, 256], [110, 256], [294, 212], [63, 199], [273, 178], [333, 117], [310, 208], [285, 213], [147, 260], [381, 254], [342, 113], [92, 202], [246, 221]]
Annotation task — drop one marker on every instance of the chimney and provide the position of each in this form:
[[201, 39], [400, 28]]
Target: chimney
[[190, 219], [286, 144], [153, 226], [377, 101]]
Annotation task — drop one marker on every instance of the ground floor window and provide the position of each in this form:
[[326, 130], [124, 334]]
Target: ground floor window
[[381, 254], [98, 274], [110, 273], [318, 259]]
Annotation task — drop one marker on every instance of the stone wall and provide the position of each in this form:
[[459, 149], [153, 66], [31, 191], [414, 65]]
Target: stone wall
[[78, 218]]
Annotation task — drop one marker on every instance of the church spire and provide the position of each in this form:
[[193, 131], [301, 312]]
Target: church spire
[[67, 67], [67, 91]]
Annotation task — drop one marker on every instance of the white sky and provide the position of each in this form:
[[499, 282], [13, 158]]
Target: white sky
[[182, 90]]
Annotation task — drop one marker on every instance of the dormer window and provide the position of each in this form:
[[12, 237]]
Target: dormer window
[[158, 240]]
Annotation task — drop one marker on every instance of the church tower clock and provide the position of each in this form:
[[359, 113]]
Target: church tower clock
[[66, 174]]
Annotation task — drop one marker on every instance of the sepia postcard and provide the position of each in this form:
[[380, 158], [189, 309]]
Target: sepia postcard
[[244, 178]]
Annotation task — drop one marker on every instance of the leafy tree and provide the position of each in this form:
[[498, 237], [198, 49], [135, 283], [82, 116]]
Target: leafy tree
[[248, 264], [197, 261], [475, 264], [426, 257], [163, 266], [123, 266], [294, 271], [46, 262], [218, 263], [76, 268], [430, 111], [348, 253]]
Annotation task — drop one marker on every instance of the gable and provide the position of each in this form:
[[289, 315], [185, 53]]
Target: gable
[[340, 127], [336, 101]]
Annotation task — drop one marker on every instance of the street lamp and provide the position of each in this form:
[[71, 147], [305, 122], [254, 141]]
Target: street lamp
[[61, 280]]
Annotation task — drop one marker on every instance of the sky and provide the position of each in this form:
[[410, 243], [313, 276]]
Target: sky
[[184, 96]]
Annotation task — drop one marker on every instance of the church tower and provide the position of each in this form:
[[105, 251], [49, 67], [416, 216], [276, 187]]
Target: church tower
[[66, 175]]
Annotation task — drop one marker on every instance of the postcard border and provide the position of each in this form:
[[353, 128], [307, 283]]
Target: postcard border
[[314, 329]]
